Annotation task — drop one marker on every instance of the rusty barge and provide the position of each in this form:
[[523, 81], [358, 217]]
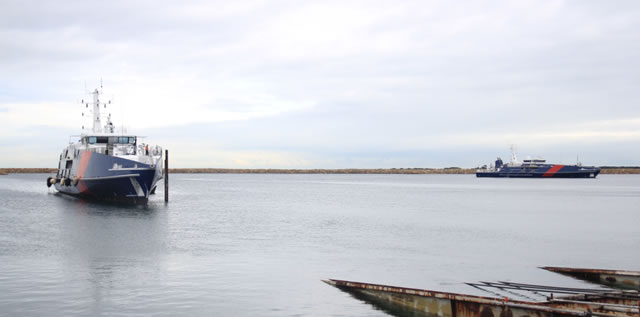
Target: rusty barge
[[614, 278], [556, 301]]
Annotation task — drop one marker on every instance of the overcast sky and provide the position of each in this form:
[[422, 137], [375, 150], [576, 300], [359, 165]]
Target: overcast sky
[[327, 84]]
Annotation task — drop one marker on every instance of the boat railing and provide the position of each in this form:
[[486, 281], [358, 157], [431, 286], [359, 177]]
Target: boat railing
[[97, 149], [149, 154], [485, 169]]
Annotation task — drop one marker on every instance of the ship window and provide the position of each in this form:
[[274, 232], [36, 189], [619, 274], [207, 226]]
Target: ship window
[[69, 163], [113, 139], [132, 140], [92, 140], [103, 139], [123, 140]]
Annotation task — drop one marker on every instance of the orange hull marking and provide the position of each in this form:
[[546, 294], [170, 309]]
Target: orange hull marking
[[84, 162], [82, 187], [552, 170]]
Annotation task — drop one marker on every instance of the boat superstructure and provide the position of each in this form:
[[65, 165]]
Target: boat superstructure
[[105, 165], [536, 168]]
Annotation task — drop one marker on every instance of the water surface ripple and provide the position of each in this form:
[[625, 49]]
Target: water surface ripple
[[258, 245]]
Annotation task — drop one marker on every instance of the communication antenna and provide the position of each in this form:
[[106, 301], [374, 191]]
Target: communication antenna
[[578, 160], [84, 104], [514, 158], [123, 119]]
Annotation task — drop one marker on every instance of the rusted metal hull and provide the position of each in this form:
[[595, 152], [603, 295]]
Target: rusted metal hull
[[402, 301], [615, 278]]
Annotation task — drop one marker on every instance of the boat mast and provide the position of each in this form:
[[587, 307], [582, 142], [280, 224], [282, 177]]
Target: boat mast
[[97, 127], [514, 158]]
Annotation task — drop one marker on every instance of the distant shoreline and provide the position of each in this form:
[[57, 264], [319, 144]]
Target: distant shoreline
[[410, 171]]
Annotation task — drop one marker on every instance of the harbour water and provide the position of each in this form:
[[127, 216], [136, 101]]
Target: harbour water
[[259, 245]]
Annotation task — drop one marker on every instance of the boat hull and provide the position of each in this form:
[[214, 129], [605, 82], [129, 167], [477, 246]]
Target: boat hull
[[537, 175], [543, 171], [108, 178], [401, 301], [615, 278]]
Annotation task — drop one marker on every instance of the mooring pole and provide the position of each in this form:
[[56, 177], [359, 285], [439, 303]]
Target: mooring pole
[[166, 175]]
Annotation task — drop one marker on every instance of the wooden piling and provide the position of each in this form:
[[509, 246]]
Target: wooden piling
[[166, 175]]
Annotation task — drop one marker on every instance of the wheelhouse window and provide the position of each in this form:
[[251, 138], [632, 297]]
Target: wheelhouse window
[[109, 140]]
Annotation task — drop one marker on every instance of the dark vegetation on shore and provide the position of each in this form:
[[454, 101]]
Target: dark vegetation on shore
[[446, 170]]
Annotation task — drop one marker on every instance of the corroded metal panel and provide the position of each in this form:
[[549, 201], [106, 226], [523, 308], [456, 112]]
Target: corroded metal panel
[[427, 306], [471, 309], [442, 304], [595, 308], [418, 302], [622, 281], [628, 299]]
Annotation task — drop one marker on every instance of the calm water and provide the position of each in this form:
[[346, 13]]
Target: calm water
[[258, 245]]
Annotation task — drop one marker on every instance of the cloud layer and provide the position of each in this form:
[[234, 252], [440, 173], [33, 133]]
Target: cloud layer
[[328, 83]]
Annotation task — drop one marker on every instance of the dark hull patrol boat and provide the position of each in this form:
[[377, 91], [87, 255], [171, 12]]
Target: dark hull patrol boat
[[108, 166], [536, 168]]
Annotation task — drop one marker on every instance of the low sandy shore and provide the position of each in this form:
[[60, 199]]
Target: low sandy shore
[[608, 170], [5, 171], [326, 171]]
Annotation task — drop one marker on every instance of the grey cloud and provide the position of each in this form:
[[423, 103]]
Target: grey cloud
[[420, 71]]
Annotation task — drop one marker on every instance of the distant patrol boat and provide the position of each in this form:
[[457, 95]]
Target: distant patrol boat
[[108, 166], [536, 168]]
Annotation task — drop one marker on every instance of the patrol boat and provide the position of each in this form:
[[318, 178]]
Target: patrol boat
[[108, 166], [536, 168]]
